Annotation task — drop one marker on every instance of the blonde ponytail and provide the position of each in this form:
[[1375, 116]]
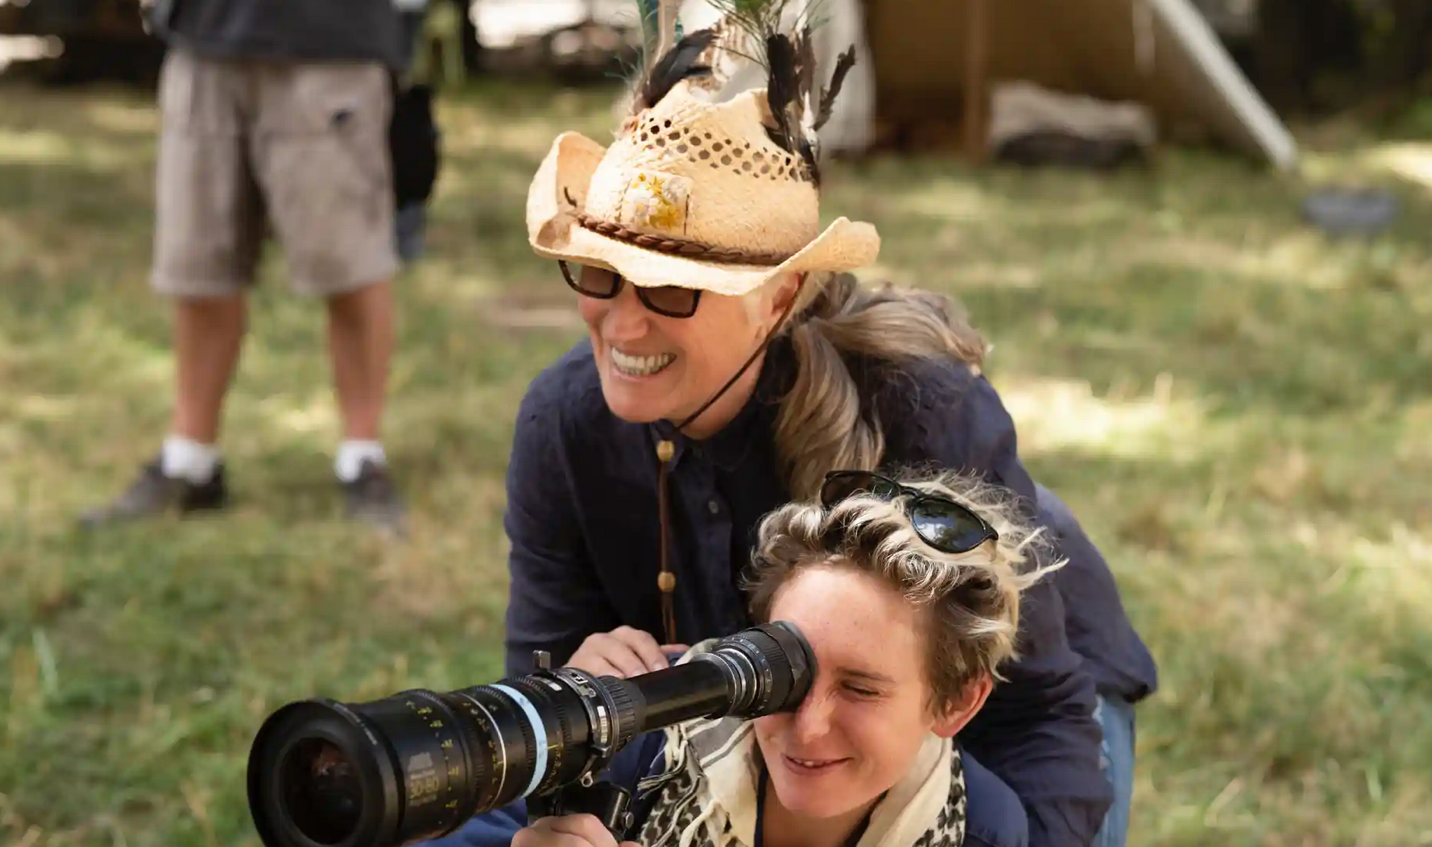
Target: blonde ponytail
[[822, 423]]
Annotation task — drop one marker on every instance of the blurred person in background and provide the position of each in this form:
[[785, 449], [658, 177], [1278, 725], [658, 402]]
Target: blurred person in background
[[274, 117]]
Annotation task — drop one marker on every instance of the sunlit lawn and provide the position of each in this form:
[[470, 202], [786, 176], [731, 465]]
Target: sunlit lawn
[[1239, 410]]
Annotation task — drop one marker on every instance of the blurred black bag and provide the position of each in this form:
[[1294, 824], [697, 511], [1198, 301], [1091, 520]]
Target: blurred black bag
[[414, 142]]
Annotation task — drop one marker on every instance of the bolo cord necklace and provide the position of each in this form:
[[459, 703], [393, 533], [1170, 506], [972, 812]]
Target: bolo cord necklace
[[666, 451]]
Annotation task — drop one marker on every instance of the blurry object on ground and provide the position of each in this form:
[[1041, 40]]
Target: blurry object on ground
[[1350, 211], [415, 142], [839, 25], [98, 39], [930, 63], [24, 50], [1031, 125]]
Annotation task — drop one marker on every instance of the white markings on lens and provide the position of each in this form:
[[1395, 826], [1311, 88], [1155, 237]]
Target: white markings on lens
[[539, 731]]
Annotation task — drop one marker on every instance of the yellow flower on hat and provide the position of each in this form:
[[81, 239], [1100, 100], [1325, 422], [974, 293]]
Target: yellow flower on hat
[[659, 203]]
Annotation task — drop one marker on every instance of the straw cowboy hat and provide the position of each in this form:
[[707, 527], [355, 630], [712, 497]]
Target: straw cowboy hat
[[692, 193]]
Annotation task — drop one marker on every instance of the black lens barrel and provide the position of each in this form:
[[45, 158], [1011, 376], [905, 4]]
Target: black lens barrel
[[680, 693], [416, 765]]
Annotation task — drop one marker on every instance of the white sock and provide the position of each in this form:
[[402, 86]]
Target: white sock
[[352, 454], [185, 458]]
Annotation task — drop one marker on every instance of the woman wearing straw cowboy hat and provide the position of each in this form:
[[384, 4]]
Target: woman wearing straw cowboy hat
[[731, 363]]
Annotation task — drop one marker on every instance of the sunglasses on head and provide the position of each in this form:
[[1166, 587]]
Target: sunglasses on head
[[667, 300], [939, 521]]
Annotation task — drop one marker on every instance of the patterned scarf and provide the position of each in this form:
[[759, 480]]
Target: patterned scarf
[[708, 792]]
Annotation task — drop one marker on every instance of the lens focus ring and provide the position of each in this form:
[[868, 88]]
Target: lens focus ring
[[625, 714], [771, 673], [774, 672]]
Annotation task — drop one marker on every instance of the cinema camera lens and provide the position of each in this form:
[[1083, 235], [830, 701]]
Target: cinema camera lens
[[418, 764]]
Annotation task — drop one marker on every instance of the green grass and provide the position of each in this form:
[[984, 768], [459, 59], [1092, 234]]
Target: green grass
[[1239, 410]]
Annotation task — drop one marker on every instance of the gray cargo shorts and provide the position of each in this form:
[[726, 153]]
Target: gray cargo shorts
[[299, 150]]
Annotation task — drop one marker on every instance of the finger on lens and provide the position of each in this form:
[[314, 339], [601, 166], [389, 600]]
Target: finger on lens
[[601, 667], [625, 659], [645, 647]]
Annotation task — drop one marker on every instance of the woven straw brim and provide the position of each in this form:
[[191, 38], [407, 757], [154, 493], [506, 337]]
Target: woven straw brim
[[555, 233]]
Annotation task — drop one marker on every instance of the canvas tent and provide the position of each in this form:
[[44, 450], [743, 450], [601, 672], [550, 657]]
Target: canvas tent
[[919, 58]]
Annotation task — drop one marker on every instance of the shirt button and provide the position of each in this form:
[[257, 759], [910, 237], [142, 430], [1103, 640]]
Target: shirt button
[[714, 507]]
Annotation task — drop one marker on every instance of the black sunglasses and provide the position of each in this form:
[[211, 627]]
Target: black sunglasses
[[940, 522], [668, 300]]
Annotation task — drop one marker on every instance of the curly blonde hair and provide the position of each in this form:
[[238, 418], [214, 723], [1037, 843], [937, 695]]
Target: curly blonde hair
[[971, 599]]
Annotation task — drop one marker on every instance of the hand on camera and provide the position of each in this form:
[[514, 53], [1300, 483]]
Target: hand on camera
[[622, 653], [567, 831]]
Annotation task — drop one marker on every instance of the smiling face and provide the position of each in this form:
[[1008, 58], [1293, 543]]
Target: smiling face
[[868, 712], [655, 367]]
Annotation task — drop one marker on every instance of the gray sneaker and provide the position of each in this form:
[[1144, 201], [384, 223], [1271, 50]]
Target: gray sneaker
[[373, 499], [154, 494]]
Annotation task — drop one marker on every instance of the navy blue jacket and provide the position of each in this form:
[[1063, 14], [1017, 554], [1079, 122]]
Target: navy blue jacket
[[582, 523]]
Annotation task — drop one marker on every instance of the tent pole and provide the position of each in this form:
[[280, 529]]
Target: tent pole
[[976, 67], [666, 27]]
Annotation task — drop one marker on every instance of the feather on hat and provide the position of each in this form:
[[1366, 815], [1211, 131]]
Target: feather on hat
[[717, 196]]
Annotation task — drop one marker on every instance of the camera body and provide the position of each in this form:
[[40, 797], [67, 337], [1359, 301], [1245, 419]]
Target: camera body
[[416, 765]]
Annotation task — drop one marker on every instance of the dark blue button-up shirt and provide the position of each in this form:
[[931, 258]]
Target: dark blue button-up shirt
[[582, 520]]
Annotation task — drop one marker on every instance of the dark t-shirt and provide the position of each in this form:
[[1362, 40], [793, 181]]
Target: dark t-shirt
[[283, 30]]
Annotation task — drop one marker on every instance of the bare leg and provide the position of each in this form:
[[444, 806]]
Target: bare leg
[[360, 343], [208, 333]]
